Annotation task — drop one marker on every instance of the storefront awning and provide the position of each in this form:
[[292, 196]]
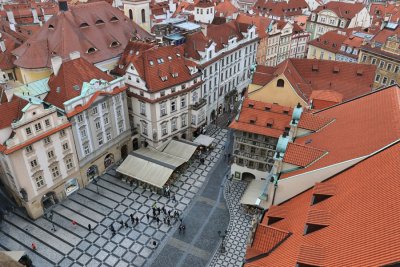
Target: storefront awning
[[181, 149], [253, 191], [204, 140], [158, 157], [145, 171]]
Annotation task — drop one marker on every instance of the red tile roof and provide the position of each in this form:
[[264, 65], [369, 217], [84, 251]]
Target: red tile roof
[[313, 122], [262, 113], [361, 227], [376, 44], [261, 23], [153, 63], [72, 73], [325, 98], [301, 155], [6, 58], [225, 9], [11, 111], [375, 115], [66, 32], [204, 4], [342, 9], [381, 11], [263, 75], [330, 41], [280, 8]]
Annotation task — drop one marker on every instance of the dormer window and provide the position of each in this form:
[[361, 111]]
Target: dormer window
[[91, 50], [269, 125], [169, 58], [76, 87], [160, 60], [251, 105], [164, 78], [114, 19], [51, 27], [83, 25], [178, 55], [151, 62], [175, 74], [115, 44], [252, 121], [99, 22]]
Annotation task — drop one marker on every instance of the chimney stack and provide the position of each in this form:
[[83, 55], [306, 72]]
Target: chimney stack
[[56, 63], [63, 5]]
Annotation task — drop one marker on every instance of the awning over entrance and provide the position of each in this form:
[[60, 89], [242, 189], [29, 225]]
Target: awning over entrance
[[145, 171], [204, 140], [253, 191], [181, 149]]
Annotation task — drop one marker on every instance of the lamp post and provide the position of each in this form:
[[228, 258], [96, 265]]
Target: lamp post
[[222, 236], [95, 181]]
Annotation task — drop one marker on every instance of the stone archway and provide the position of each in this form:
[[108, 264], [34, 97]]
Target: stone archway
[[92, 172], [109, 160], [49, 199], [212, 116], [135, 144], [124, 151], [246, 176]]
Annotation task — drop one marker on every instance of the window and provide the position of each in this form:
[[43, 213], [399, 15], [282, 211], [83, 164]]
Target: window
[[94, 111], [183, 101], [183, 120], [373, 61], [384, 80], [163, 109], [131, 14], [164, 130], [377, 78], [173, 105], [28, 131], [80, 118], [106, 120], [47, 122], [389, 67], [143, 16], [55, 172], [120, 126], [100, 140], [62, 133], [173, 125], [39, 181], [38, 127], [98, 125], [142, 108], [83, 132], [108, 136], [34, 163], [86, 150], [280, 83], [69, 163], [396, 69], [194, 119], [28, 149], [144, 128], [65, 146], [392, 82], [103, 105], [382, 64], [195, 97], [119, 112], [47, 140], [50, 154]]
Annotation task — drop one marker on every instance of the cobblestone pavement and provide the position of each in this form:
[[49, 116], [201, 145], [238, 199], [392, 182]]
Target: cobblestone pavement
[[238, 229], [74, 245]]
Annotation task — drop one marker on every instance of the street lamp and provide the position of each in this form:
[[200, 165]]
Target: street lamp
[[49, 215], [222, 236], [95, 181]]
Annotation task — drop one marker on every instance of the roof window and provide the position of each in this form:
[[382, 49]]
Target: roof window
[[83, 25], [115, 44], [175, 74], [169, 58], [360, 72], [99, 22], [336, 69], [76, 87], [164, 78], [252, 121], [178, 55], [51, 27], [160, 60], [251, 105], [114, 19], [151, 62], [91, 50]]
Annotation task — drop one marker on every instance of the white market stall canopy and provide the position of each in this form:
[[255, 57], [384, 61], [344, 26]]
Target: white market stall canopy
[[182, 149], [145, 171], [253, 191], [204, 140], [159, 157]]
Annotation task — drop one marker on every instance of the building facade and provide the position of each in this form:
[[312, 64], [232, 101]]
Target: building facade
[[38, 160], [139, 12]]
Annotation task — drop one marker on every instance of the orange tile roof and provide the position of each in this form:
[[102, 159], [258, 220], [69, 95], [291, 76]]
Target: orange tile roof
[[280, 8], [63, 34], [225, 9], [362, 227], [330, 41], [361, 126], [11, 111], [71, 73], [260, 116], [327, 95], [313, 122], [6, 58], [261, 23], [301, 155], [342, 9], [263, 75]]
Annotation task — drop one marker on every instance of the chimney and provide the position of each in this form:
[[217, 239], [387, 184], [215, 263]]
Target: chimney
[[56, 63], [2, 46], [74, 55], [204, 29], [35, 16], [63, 5]]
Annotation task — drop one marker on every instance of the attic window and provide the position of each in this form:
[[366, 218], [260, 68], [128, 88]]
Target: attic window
[[51, 27], [115, 44], [267, 108], [76, 87], [160, 60], [84, 25], [312, 228], [151, 62], [285, 110], [360, 72], [252, 121], [251, 105], [336, 69], [58, 89], [178, 55], [272, 220], [91, 50], [114, 19], [317, 198], [99, 22], [314, 67], [269, 125], [169, 58], [164, 78], [175, 74]]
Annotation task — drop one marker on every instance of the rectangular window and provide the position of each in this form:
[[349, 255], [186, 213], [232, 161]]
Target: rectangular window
[[173, 106], [103, 105], [108, 135], [142, 108], [62, 133], [384, 80], [50, 154], [34, 163], [28, 131], [80, 118], [98, 125], [65, 146], [83, 132], [194, 119], [38, 127], [163, 109], [69, 163], [389, 67], [183, 101], [381, 64], [173, 125], [183, 120], [55, 172], [377, 78], [86, 149], [39, 181], [144, 129], [373, 61], [119, 112], [396, 69], [100, 140], [94, 111], [106, 120], [164, 130], [28, 149], [47, 122], [47, 140]]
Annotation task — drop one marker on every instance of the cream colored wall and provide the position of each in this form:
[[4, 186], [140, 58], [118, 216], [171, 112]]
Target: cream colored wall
[[270, 93], [242, 169], [31, 75], [292, 186], [317, 54], [136, 8]]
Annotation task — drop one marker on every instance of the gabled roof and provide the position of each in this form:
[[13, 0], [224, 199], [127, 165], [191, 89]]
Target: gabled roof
[[90, 26], [376, 45], [262, 118], [262, 23], [302, 155], [342, 9], [67, 84], [11, 111], [280, 8], [160, 67], [330, 41], [6, 58], [313, 122], [225, 9], [204, 4], [361, 126], [361, 228]]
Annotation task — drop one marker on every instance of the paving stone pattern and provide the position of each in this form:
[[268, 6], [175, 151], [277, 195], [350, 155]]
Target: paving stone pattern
[[73, 245], [239, 227]]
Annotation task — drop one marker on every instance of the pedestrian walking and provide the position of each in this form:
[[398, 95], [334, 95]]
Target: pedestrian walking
[[147, 216], [121, 222], [132, 220], [126, 224], [159, 210], [180, 228], [154, 243], [165, 220], [90, 227], [183, 228], [158, 220], [74, 223], [137, 220], [169, 222], [169, 213], [34, 246], [112, 228], [173, 198]]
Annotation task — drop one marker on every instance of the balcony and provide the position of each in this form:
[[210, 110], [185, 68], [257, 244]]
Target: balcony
[[199, 105]]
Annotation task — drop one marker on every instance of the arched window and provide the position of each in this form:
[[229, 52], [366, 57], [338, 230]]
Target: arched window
[[143, 16], [280, 83], [130, 14]]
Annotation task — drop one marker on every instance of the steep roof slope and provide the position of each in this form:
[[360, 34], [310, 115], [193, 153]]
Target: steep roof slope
[[359, 219]]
